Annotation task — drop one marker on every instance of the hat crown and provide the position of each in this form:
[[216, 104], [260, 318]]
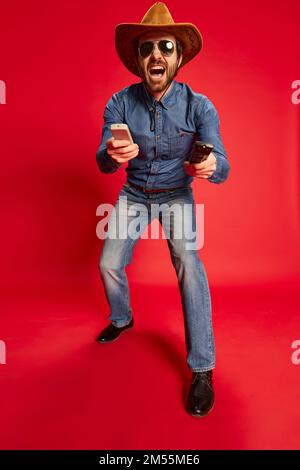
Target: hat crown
[[158, 14]]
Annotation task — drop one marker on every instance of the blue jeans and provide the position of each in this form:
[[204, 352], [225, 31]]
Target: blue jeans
[[192, 280]]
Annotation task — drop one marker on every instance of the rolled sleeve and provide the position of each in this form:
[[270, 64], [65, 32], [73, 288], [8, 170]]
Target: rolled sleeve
[[208, 128]]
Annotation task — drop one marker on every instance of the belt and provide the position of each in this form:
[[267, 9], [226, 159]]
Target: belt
[[141, 188]]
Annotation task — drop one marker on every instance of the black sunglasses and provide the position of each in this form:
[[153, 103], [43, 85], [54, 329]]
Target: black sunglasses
[[165, 46]]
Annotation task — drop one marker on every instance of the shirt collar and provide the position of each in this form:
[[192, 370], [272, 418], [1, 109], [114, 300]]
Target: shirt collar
[[166, 101]]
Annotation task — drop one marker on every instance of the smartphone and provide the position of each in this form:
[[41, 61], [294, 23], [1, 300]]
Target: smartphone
[[121, 132], [200, 151]]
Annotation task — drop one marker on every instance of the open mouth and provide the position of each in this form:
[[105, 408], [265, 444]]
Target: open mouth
[[156, 71]]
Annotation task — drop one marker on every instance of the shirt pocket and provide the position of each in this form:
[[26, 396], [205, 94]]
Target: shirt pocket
[[181, 144], [141, 141]]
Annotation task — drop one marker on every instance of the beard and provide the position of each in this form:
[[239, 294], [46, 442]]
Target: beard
[[158, 87]]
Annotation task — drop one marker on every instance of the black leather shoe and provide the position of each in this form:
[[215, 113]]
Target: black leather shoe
[[111, 332], [201, 395]]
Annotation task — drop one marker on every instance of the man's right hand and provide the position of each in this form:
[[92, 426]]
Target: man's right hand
[[121, 150]]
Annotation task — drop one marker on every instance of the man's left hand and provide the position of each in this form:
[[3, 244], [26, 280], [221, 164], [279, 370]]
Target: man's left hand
[[202, 170]]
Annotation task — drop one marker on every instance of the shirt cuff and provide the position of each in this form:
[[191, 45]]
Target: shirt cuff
[[106, 163], [215, 177]]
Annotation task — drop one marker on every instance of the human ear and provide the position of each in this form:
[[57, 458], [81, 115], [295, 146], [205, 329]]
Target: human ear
[[179, 61]]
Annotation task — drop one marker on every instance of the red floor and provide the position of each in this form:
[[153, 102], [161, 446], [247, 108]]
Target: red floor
[[61, 390]]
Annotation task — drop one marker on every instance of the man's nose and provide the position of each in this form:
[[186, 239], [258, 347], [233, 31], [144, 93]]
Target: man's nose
[[156, 51]]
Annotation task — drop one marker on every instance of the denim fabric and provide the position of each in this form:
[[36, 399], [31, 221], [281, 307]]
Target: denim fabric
[[165, 131], [192, 280]]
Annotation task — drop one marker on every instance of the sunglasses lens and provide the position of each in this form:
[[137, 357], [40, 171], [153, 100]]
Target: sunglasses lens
[[146, 48], [166, 47]]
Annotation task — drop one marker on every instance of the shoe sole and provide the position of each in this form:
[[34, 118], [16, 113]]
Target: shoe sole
[[115, 339]]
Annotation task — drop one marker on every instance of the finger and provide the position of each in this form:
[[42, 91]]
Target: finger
[[205, 170], [126, 149], [123, 150], [191, 168], [204, 173], [201, 166], [114, 144], [207, 163], [125, 157], [211, 167]]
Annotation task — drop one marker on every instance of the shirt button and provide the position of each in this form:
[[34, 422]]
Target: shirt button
[[158, 113], [158, 137]]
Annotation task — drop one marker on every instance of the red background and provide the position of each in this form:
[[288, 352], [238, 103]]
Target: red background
[[60, 67]]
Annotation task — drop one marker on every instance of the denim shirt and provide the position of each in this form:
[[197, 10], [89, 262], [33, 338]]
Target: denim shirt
[[165, 132]]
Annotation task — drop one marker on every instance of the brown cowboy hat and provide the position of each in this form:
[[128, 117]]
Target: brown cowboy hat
[[157, 18]]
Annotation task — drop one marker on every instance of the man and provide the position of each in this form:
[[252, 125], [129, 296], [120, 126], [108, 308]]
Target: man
[[165, 118]]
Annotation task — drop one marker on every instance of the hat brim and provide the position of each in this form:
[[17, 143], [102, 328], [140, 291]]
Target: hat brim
[[127, 33]]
